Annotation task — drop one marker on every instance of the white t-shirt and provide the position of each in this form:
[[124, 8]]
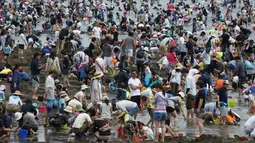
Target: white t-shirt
[[97, 32], [100, 61], [250, 123], [22, 39], [135, 82], [15, 100], [81, 119], [190, 83], [106, 110], [176, 77], [79, 94], [50, 85], [206, 57], [125, 105]]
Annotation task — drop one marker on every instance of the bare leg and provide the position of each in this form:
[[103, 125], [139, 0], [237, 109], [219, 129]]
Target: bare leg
[[157, 131], [200, 126], [163, 131]]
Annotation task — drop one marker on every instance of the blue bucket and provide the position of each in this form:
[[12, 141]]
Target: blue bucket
[[23, 133]]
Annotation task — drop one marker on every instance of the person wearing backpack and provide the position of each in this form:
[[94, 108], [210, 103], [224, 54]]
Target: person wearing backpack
[[53, 63], [140, 59]]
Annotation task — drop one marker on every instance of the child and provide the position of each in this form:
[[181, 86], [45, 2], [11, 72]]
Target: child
[[7, 52], [145, 132], [62, 102], [249, 98], [148, 74], [81, 70], [106, 110], [230, 119]]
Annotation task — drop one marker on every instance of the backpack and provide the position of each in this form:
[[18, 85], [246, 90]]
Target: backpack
[[140, 53]]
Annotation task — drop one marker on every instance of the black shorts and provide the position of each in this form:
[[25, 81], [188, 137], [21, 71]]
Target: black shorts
[[7, 55], [21, 46], [170, 109], [136, 99]]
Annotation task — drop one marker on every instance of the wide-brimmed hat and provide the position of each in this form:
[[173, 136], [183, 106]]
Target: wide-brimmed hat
[[179, 66], [78, 108], [97, 75], [68, 109], [245, 85], [119, 113], [17, 92], [2, 87], [18, 116], [83, 87], [62, 94], [67, 98], [181, 94]]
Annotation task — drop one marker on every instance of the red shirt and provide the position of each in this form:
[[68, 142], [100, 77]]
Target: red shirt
[[171, 57]]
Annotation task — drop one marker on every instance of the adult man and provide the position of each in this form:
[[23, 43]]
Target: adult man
[[80, 96], [223, 102], [35, 72], [128, 45], [81, 123], [199, 106], [128, 106], [134, 86], [49, 97], [62, 35]]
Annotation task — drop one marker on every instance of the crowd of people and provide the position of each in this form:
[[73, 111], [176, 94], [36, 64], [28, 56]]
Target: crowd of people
[[169, 63]]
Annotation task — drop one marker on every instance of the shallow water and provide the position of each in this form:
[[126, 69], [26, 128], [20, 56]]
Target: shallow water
[[47, 135]]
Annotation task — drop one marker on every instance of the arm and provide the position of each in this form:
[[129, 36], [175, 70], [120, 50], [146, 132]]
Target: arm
[[200, 104], [133, 87]]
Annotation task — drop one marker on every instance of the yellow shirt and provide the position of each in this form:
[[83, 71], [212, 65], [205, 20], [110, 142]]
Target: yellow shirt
[[201, 65], [149, 104], [5, 71]]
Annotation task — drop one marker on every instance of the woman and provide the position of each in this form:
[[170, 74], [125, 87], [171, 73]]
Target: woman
[[172, 58], [101, 130], [26, 121], [16, 78], [160, 114], [22, 42], [175, 79], [14, 102], [96, 87], [53, 63], [65, 72]]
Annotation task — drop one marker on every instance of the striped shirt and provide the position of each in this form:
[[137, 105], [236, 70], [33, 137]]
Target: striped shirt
[[160, 102]]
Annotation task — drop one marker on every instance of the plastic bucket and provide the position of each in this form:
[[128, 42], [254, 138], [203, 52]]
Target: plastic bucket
[[232, 102], [43, 109], [114, 134], [23, 133]]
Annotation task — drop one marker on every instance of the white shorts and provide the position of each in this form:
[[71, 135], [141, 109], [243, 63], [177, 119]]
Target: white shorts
[[108, 62], [129, 52]]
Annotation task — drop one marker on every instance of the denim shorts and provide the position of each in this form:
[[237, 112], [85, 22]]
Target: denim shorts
[[51, 104], [160, 116], [134, 110]]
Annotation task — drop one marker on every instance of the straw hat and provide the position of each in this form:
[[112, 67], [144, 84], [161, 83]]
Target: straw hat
[[62, 94], [2, 87], [78, 108], [179, 66], [120, 113], [68, 109], [67, 98], [245, 85], [97, 75], [17, 92], [83, 87], [18, 116], [181, 94]]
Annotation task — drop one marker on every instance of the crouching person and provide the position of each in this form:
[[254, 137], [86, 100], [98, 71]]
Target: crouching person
[[59, 120], [26, 122], [82, 122], [101, 130]]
